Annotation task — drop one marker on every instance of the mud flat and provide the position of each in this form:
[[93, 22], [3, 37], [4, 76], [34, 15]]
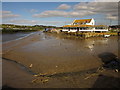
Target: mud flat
[[60, 62]]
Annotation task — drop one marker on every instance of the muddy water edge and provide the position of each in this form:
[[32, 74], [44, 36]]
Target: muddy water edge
[[63, 55]]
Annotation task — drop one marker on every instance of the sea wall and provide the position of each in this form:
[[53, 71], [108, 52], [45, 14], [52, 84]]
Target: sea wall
[[85, 34]]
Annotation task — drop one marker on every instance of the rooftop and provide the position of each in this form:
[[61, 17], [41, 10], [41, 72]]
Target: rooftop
[[82, 21], [78, 26]]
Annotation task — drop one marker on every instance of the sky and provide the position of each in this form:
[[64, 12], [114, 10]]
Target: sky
[[58, 13]]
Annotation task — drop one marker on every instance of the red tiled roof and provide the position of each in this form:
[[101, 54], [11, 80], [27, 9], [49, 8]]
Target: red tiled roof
[[78, 26], [82, 21]]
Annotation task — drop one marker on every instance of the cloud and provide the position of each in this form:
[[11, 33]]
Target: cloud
[[21, 21], [8, 14], [64, 7], [5, 12], [54, 22], [84, 9], [34, 22], [106, 0], [51, 13], [81, 13], [112, 17], [97, 6], [33, 10], [56, 13], [106, 8], [57, 0]]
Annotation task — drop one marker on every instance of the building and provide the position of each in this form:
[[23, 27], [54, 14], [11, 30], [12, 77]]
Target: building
[[84, 25], [114, 28]]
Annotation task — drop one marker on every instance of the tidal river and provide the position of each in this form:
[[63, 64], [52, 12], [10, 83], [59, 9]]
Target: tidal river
[[53, 53], [62, 56], [14, 36]]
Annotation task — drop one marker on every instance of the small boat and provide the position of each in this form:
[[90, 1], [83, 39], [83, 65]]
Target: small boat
[[106, 36]]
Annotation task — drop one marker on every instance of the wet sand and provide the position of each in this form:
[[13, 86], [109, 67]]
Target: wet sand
[[65, 61]]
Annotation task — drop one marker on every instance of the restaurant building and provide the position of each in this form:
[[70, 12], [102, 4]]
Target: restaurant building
[[84, 25]]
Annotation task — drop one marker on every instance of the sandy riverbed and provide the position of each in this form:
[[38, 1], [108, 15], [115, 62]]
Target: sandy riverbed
[[65, 60]]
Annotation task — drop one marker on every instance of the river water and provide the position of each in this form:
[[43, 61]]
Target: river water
[[14, 36]]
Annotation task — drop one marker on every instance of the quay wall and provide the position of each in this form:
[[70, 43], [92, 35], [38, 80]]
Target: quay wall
[[85, 34]]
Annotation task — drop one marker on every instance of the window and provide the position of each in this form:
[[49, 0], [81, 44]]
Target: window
[[75, 23]]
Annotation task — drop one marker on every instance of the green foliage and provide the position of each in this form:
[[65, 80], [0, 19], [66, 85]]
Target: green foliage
[[114, 30], [6, 27]]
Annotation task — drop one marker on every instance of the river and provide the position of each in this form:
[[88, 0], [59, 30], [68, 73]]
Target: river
[[14, 36], [67, 59]]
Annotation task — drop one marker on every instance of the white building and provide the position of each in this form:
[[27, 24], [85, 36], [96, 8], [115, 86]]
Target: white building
[[84, 25]]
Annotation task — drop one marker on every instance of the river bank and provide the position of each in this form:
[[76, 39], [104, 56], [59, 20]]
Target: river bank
[[64, 61], [11, 35]]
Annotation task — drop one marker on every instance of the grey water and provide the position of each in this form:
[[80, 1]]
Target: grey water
[[13, 36]]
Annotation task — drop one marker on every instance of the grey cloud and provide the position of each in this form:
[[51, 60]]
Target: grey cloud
[[106, 8], [84, 9], [112, 17]]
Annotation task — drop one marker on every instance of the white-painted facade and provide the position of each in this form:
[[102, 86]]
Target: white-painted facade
[[92, 22], [82, 27]]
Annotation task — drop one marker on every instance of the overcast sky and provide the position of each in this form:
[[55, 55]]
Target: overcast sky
[[58, 13]]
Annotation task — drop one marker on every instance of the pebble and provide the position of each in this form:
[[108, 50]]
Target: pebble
[[44, 81], [36, 75], [116, 70], [31, 65]]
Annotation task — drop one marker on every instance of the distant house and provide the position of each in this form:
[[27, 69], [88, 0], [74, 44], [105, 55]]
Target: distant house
[[84, 25], [114, 28]]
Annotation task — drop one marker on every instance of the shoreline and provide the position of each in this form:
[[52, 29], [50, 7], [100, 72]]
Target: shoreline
[[50, 56], [19, 41], [22, 37]]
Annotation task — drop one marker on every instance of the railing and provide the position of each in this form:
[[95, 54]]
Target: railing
[[74, 30]]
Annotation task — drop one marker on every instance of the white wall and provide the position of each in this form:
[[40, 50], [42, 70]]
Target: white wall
[[75, 30], [92, 22], [64, 30]]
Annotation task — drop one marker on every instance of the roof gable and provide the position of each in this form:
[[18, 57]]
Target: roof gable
[[82, 21]]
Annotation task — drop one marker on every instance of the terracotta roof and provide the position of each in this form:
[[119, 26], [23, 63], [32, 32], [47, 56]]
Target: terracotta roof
[[82, 21], [85, 26], [78, 26]]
